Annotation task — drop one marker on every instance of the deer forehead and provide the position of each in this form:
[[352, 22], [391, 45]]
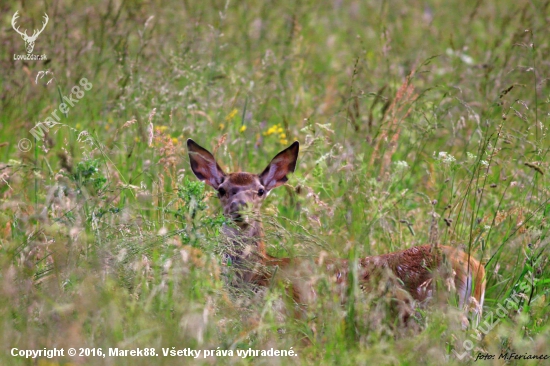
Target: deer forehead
[[242, 183], [242, 179]]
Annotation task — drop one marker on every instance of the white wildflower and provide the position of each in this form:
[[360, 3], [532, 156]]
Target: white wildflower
[[445, 157], [401, 166], [471, 156]]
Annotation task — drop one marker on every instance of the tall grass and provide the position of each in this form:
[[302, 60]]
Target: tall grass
[[419, 122]]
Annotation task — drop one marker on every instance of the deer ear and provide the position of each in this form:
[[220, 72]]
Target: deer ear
[[204, 165], [282, 164]]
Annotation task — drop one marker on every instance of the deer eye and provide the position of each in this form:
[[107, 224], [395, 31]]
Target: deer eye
[[221, 192], [261, 192]]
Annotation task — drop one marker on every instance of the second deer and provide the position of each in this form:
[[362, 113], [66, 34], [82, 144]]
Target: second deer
[[242, 194]]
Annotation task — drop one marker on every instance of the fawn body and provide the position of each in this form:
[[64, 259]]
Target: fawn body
[[241, 196]]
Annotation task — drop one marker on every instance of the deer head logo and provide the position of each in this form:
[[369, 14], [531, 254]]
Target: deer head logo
[[29, 40]]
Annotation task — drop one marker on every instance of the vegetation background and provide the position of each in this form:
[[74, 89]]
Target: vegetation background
[[419, 121]]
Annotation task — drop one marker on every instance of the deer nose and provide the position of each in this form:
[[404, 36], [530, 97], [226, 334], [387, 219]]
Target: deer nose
[[237, 205]]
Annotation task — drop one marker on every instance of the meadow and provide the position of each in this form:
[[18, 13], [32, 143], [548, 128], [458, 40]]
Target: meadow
[[420, 122]]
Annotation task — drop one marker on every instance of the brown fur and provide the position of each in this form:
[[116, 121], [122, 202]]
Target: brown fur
[[241, 178], [415, 268]]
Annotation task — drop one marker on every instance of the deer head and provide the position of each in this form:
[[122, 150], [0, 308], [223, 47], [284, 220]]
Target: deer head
[[241, 194], [29, 40]]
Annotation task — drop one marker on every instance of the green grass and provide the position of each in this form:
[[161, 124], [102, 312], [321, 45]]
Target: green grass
[[416, 120]]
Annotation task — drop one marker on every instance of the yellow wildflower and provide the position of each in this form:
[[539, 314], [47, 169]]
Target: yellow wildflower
[[221, 126], [231, 115], [174, 140], [243, 128], [271, 131], [284, 141]]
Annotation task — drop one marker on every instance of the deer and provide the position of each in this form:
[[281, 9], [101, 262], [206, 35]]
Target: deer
[[29, 40], [241, 195]]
